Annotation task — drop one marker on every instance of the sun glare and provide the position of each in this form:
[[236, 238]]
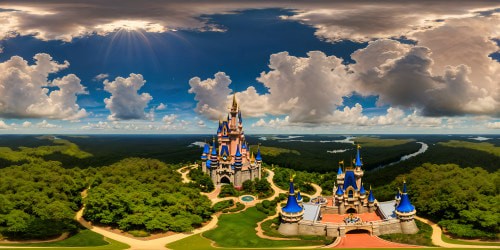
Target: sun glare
[[130, 25]]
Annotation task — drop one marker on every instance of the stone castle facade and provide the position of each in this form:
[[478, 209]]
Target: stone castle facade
[[229, 158], [350, 202]]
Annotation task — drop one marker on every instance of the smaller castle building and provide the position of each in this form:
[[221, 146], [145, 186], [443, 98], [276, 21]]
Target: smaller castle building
[[229, 158], [350, 207]]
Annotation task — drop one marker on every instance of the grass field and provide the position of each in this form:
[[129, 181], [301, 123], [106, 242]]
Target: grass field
[[481, 146], [238, 230], [472, 243], [85, 240], [422, 238], [378, 142]]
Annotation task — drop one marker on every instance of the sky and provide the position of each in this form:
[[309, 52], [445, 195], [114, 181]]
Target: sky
[[172, 67]]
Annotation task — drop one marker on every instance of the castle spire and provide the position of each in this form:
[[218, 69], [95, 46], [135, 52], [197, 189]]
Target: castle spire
[[362, 190], [258, 157], [358, 162], [235, 104], [371, 198]]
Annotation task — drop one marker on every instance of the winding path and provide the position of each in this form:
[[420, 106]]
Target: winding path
[[436, 237]]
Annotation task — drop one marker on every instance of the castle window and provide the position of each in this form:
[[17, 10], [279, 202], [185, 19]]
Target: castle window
[[350, 194]]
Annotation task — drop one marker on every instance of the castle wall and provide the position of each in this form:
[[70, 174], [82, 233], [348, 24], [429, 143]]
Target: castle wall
[[310, 228], [340, 230], [288, 228], [409, 227]]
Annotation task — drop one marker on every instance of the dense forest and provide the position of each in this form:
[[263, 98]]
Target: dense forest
[[465, 201], [39, 199], [145, 194]]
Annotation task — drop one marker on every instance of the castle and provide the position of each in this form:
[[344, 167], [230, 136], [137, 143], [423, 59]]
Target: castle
[[350, 207], [230, 160]]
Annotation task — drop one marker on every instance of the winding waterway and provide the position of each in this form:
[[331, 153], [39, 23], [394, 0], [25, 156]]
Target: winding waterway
[[422, 149]]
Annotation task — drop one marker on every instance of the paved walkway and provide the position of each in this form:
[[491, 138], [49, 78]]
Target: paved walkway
[[318, 190], [365, 240], [436, 237]]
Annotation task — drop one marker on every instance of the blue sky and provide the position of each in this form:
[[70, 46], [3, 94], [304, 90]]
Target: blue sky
[[322, 68]]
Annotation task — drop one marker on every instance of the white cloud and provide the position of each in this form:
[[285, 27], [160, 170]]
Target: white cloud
[[47, 125], [27, 124], [169, 119], [3, 125], [125, 102], [493, 125], [161, 106], [101, 76], [201, 124], [24, 91], [402, 76], [212, 95]]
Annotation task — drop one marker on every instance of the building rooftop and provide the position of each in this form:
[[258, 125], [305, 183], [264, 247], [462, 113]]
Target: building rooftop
[[311, 211], [387, 209]]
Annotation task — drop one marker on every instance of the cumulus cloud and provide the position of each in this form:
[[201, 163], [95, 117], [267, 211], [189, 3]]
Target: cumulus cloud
[[25, 90], [493, 125], [212, 95], [46, 125], [3, 125], [125, 102], [26, 124], [161, 106], [169, 119], [101, 76], [401, 76]]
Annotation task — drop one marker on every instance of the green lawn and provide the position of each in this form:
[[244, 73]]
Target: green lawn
[[422, 238], [238, 230], [481, 146], [85, 239], [478, 243]]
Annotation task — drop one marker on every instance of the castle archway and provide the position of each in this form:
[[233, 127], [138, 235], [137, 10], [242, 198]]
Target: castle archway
[[225, 180], [351, 210]]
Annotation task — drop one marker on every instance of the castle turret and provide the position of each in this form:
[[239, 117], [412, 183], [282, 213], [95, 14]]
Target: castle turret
[[258, 158], [358, 172], [214, 158], [299, 198], [371, 201], [291, 214], [204, 157], [238, 158], [398, 197], [406, 212]]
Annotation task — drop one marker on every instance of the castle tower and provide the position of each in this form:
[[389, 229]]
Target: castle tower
[[358, 172], [406, 212], [230, 161], [291, 214], [371, 201], [397, 198], [204, 158]]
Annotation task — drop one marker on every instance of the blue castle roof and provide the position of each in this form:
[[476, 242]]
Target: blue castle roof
[[206, 151], [358, 162], [350, 180], [398, 195], [340, 171], [299, 197], [220, 127], [362, 189], [291, 204], [209, 162], [238, 154], [405, 205], [371, 198], [224, 150], [339, 191], [258, 157], [214, 149], [244, 146], [239, 117]]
